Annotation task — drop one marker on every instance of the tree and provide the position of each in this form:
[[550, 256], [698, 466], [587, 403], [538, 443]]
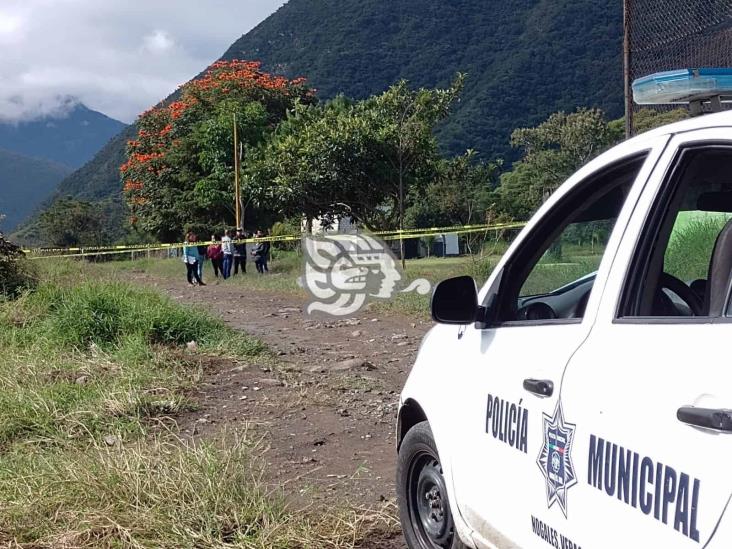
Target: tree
[[352, 158], [179, 170], [463, 192], [411, 118], [318, 164], [552, 151], [646, 119], [72, 223]]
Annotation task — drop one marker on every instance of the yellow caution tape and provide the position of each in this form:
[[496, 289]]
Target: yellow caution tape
[[85, 251]]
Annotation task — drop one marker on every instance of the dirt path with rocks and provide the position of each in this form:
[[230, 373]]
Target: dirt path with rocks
[[327, 413]]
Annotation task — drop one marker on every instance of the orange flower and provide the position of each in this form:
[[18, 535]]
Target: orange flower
[[133, 186]]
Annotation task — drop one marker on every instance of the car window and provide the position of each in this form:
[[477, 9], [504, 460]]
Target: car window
[[573, 255], [551, 274], [692, 240], [672, 272]]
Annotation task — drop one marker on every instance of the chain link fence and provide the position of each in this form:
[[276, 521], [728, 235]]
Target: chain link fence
[[677, 34]]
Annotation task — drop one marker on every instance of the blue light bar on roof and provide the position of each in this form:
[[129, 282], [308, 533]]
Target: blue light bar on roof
[[683, 86]]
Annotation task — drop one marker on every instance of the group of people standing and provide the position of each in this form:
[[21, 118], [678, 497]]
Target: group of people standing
[[224, 254]]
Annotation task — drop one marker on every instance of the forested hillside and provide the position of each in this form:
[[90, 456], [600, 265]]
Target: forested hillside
[[524, 59], [24, 184], [99, 178]]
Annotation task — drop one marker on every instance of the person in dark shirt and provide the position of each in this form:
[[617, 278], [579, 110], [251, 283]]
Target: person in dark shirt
[[261, 254], [240, 253], [216, 256], [203, 256]]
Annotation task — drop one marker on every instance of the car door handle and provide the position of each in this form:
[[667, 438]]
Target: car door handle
[[541, 387], [709, 418]]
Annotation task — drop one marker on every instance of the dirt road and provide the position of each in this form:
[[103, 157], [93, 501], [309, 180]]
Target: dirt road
[[327, 413]]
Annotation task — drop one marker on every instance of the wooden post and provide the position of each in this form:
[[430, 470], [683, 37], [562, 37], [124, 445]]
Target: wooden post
[[237, 192], [628, 90], [401, 213]]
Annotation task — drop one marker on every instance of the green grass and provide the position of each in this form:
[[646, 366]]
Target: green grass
[[91, 373], [690, 248], [111, 314], [287, 267], [434, 270], [686, 218], [100, 358], [547, 276], [160, 492]]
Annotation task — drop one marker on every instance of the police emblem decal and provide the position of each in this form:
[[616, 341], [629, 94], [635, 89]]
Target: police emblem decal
[[555, 458]]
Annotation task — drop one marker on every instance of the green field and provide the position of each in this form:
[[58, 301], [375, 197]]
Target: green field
[[286, 268]]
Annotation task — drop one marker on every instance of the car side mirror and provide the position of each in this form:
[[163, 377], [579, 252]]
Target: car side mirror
[[455, 301]]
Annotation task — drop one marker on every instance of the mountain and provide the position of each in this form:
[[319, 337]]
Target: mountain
[[99, 178], [25, 182], [524, 58], [72, 137]]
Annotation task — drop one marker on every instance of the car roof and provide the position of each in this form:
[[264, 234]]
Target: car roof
[[715, 120]]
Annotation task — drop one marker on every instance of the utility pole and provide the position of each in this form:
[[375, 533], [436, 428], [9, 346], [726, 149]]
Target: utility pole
[[628, 90], [402, 145], [401, 212], [242, 206], [237, 190]]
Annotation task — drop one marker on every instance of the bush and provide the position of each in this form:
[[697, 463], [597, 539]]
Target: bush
[[16, 274], [285, 228]]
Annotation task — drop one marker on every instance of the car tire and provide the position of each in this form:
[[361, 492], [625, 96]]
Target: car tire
[[424, 509]]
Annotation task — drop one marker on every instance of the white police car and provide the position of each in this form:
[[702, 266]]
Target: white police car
[[583, 396]]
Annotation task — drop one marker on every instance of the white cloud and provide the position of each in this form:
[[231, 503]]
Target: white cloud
[[158, 42], [116, 56], [11, 27], [9, 24]]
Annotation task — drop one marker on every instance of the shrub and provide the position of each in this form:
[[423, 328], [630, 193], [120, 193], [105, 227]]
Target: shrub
[[286, 228], [16, 274]]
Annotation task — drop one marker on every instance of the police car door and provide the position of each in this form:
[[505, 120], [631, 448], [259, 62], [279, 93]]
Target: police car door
[[541, 303], [650, 389]]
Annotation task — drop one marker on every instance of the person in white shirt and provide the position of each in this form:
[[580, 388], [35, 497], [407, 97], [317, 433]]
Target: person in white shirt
[[228, 249]]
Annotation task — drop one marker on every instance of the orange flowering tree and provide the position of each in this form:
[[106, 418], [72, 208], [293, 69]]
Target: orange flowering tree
[[179, 170]]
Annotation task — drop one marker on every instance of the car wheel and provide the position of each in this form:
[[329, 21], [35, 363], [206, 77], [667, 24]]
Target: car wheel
[[422, 493]]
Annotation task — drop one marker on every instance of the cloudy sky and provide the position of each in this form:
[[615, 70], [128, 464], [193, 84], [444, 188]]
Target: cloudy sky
[[117, 56]]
